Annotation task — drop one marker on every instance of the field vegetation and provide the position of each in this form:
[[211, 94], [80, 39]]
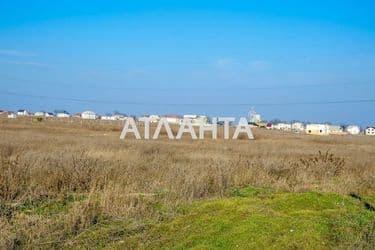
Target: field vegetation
[[71, 183]]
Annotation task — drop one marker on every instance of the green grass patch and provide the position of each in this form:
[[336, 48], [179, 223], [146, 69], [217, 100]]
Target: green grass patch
[[250, 218], [48, 207], [257, 218]]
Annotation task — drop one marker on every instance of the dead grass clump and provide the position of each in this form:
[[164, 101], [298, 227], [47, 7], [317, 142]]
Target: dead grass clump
[[309, 172], [23, 177], [14, 174], [323, 166], [82, 216], [367, 185], [132, 204], [8, 237]]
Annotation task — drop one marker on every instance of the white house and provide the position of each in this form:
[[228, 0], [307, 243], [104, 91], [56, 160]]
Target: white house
[[370, 131], [89, 115], [12, 115], [143, 117], [317, 129], [353, 130], [154, 118], [298, 127], [39, 113], [173, 119], [77, 115], [62, 114], [119, 117], [282, 126], [197, 120], [108, 117], [48, 114], [23, 112], [335, 130]]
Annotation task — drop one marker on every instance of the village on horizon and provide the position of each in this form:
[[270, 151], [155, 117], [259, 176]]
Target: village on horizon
[[254, 120]]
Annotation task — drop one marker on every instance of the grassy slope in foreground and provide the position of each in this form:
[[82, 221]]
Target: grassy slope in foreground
[[260, 218]]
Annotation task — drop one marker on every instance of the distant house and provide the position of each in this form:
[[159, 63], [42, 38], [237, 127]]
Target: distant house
[[335, 130], [3, 113], [62, 114], [370, 131], [269, 125], [49, 114], [298, 127], [12, 115], [154, 118], [283, 126], [120, 117], [173, 119], [197, 120], [89, 115], [40, 113], [23, 112], [353, 130], [317, 129], [108, 117]]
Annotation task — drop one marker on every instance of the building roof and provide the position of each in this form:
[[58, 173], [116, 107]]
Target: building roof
[[173, 116], [335, 127], [191, 116], [317, 124], [89, 112]]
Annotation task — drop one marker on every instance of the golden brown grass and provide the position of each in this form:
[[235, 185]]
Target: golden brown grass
[[52, 159]]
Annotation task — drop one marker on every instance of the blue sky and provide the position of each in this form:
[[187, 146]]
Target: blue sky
[[139, 56]]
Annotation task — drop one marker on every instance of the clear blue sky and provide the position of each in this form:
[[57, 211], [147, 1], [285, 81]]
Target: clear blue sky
[[169, 52]]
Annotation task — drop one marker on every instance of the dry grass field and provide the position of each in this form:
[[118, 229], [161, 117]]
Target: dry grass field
[[62, 180]]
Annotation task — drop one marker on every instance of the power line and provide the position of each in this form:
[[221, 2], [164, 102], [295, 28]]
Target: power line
[[356, 101], [215, 88]]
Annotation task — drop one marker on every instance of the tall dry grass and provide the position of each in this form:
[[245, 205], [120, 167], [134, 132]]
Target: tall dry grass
[[48, 160]]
